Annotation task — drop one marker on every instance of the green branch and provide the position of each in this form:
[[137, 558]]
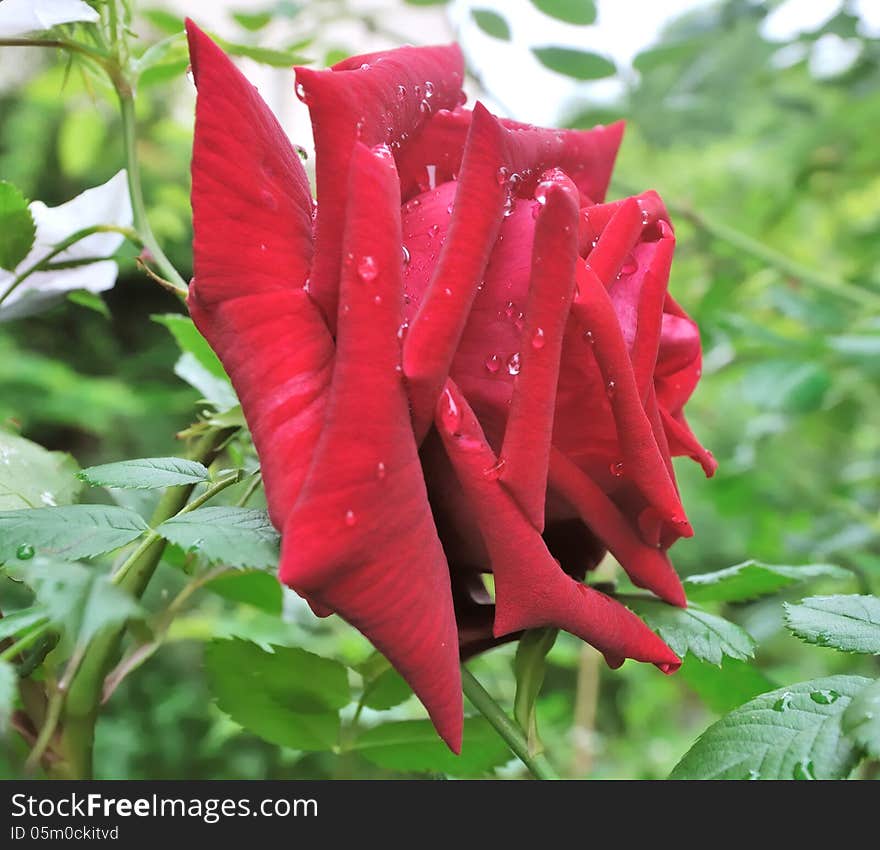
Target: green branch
[[513, 736]]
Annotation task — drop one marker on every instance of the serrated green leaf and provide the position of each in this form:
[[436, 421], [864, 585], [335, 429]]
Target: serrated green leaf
[[577, 64], [8, 687], [726, 687], [289, 697], [218, 391], [752, 579], [707, 636], [861, 720], [17, 229], [789, 733], [32, 477], [79, 600], [252, 587], [240, 537], [849, 623], [491, 23], [414, 746], [580, 12], [72, 532], [20, 622], [148, 473]]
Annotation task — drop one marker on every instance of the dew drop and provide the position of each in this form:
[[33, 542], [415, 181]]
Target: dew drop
[[368, 269], [190, 75], [406, 257], [380, 470], [825, 697], [425, 107], [300, 90], [401, 92], [263, 247], [629, 265], [447, 292], [645, 217], [493, 473], [433, 230], [417, 90], [783, 703], [401, 331], [588, 336], [449, 209], [753, 775], [429, 89], [509, 309], [520, 321], [377, 300], [502, 175], [538, 340], [513, 363], [350, 518], [24, 552], [492, 364], [616, 469], [611, 389]]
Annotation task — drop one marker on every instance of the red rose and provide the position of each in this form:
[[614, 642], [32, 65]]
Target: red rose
[[463, 363]]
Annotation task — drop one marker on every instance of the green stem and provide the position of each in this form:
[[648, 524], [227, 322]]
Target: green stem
[[63, 245], [513, 736], [23, 643], [530, 664], [138, 207], [86, 688], [72, 46]]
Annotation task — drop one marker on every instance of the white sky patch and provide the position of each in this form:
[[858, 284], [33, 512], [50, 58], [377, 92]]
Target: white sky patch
[[795, 17], [20, 17]]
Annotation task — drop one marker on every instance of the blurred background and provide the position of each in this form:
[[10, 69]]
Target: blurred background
[[756, 121]]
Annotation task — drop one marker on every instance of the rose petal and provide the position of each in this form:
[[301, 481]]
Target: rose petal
[[361, 540]]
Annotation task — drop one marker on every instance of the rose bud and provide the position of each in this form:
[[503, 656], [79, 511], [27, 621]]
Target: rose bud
[[463, 362]]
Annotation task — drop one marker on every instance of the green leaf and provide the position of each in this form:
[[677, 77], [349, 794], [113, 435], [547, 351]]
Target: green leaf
[[90, 300], [72, 532], [79, 600], [789, 733], [252, 21], [32, 477], [387, 690], [726, 687], [414, 746], [252, 587], [706, 636], [263, 55], [22, 621], [163, 20], [848, 623], [217, 391], [578, 64], [787, 385], [8, 688], [752, 579], [491, 23], [149, 473], [188, 339], [289, 697], [861, 720], [240, 537], [580, 12], [17, 229]]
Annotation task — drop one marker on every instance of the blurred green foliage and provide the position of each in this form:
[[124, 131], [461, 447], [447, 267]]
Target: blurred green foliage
[[733, 136]]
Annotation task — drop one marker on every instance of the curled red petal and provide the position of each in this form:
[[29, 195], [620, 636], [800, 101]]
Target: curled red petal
[[531, 590], [381, 98], [361, 539], [251, 259], [525, 452]]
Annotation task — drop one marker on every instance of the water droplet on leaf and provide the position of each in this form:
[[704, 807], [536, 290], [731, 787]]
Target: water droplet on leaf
[[825, 697], [783, 703], [804, 770], [24, 552]]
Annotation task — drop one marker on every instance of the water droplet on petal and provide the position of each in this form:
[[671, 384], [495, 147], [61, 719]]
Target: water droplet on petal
[[493, 473], [449, 209], [350, 518], [406, 257], [611, 389], [24, 552], [380, 470], [629, 265], [588, 336], [377, 300], [417, 90], [425, 107], [368, 269], [513, 363], [433, 230], [300, 90], [401, 92], [492, 364], [825, 697], [538, 340], [509, 309], [447, 292], [502, 175], [401, 331], [616, 469], [263, 247], [450, 415], [429, 89]]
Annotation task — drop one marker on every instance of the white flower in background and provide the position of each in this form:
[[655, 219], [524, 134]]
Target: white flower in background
[[20, 17], [108, 204]]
